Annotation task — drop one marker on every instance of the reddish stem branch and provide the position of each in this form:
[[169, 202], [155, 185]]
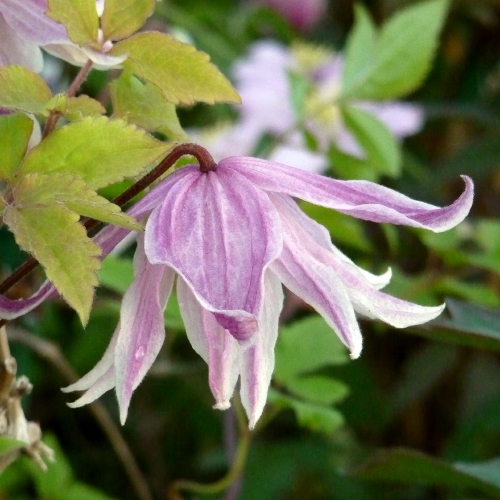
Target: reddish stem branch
[[205, 161]]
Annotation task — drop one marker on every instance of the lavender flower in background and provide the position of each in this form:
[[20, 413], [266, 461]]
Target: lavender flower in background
[[24, 27], [231, 235], [263, 82], [301, 14], [15, 49]]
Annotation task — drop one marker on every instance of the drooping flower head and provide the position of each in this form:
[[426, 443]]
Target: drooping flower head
[[230, 235]]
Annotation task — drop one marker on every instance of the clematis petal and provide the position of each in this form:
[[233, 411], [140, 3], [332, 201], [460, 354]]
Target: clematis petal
[[321, 236], [257, 359], [15, 49], [214, 344], [103, 384], [316, 283], [361, 199], [219, 233], [142, 330], [29, 20], [10, 309], [78, 56], [361, 288]]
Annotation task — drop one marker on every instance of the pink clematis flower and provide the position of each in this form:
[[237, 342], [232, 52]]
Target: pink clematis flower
[[24, 27], [230, 236]]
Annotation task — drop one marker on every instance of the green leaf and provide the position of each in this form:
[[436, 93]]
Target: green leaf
[[40, 190], [311, 335], [314, 417], [100, 151], [468, 325], [379, 144], [80, 19], [15, 133], [116, 273], [75, 108], [144, 105], [402, 56], [121, 18], [360, 46], [8, 444], [61, 245], [350, 167], [22, 90], [299, 89], [318, 388], [183, 74], [409, 466]]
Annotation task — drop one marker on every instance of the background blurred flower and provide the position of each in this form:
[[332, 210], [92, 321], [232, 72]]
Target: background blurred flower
[[302, 14], [263, 81]]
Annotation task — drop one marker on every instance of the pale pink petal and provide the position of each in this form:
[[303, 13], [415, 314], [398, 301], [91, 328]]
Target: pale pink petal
[[10, 309], [103, 366], [79, 56], [315, 282], [28, 19], [361, 286], [257, 359], [219, 233], [401, 118], [214, 344], [299, 157], [103, 384], [321, 236], [142, 330], [15, 49], [361, 199]]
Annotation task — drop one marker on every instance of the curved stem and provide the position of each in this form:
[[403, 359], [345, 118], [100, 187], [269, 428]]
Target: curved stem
[[49, 351], [205, 161]]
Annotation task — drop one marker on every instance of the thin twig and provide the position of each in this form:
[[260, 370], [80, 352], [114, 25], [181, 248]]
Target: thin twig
[[8, 366], [51, 123], [51, 353], [205, 161]]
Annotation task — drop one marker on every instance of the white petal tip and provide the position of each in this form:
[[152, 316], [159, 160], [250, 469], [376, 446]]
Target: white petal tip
[[222, 405], [355, 354], [123, 416], [75, 404]]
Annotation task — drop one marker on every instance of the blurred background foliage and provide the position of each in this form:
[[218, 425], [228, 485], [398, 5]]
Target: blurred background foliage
[[416, 417]]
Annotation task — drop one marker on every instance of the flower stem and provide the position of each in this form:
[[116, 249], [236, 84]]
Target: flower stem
[[205, 161]]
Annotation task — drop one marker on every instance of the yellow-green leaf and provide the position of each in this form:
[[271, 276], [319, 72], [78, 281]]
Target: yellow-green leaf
[[98, 150], [59, 242], [79, 17], [144, 105], [183, 74], [121, 18], [75, 108], [15, 133], [46, 190], [22, 90]]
